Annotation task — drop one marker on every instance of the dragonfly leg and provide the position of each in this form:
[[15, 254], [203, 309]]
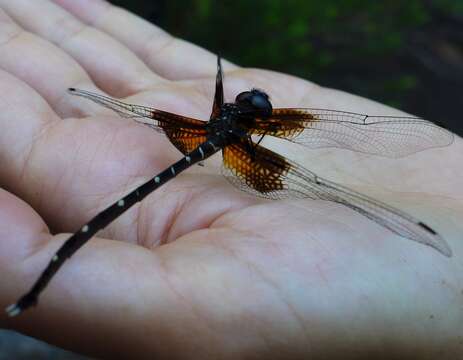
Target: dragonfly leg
[[250, 147]]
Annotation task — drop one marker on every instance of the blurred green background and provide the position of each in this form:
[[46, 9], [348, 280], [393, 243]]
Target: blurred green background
[[408, 54]]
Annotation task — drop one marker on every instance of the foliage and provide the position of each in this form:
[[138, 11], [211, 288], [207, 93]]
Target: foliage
[[358, 45]]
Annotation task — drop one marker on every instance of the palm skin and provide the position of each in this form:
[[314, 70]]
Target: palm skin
[[199, 269]]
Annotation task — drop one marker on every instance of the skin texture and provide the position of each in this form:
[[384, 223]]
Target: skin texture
[[199, 269]]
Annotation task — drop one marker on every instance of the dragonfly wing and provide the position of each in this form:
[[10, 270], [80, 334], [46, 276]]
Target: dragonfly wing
[[378, 135], [184, 132], [270, 175], [218, 97]]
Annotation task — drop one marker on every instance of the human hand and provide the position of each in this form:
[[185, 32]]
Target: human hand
[[199, 269]]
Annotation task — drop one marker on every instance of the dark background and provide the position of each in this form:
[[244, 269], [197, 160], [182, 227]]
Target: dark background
[[408, 54]]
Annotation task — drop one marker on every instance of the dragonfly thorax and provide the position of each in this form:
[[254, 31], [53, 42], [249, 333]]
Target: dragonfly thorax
[[229, 122]]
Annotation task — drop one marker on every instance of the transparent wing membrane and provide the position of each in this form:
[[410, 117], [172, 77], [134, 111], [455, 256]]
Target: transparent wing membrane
[[286, 179], [378, 135]]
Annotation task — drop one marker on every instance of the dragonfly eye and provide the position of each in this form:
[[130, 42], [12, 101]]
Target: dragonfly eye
[[243, 97], [257, 100]]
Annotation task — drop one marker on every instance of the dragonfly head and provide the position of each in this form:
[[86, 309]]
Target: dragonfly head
[[254, 101]]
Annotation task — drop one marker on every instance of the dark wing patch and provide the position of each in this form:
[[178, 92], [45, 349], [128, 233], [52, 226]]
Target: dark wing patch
[[388, 136], [286, 179]]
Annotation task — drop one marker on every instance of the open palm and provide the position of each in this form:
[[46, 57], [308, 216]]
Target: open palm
[[199, 269]]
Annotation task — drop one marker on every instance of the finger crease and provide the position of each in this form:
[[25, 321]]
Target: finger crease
[[69, 35], [151, 52], [12, 36]]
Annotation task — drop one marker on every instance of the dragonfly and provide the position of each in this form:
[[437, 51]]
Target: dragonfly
[[233, 129]]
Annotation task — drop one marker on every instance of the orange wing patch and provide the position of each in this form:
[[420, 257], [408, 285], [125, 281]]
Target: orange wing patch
[[264, 173], [186, 142]]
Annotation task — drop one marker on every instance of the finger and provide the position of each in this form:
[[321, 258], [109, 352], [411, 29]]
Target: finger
[[25, 119], [40, 64], [22, 232], [166, 55], [112, 66]]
